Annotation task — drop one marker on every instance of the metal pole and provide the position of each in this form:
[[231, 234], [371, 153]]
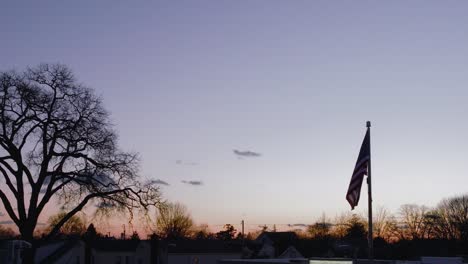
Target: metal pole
[[243, 235], [369, 188]]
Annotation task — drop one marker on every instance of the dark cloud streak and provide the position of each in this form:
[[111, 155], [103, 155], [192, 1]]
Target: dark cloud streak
[[246, 153], [195, 183], [159, 182], [186, 163]]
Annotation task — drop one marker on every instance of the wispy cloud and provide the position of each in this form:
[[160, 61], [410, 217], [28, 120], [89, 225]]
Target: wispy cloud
[[159, 182], [186, 163], [8, 222], [246, 153], [196, 183]]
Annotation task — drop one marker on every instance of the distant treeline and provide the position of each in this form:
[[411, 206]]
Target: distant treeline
[[413, 231]]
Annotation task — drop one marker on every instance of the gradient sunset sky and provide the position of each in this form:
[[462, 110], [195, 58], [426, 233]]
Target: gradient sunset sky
[[188, 82]]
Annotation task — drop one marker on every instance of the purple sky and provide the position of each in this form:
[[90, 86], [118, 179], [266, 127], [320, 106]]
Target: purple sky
[[292, 80]]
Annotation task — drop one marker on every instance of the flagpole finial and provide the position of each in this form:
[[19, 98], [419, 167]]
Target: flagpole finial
[[368, 124]]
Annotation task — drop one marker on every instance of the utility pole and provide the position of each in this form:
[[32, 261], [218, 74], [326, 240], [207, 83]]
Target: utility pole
[[243, 234], [369, 189], [123, 234]]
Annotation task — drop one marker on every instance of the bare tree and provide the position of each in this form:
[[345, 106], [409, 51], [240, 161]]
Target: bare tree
[[356, 228], [6, 233], [453, 213], [74, 226], [435, 225], [58, 144], [228, 233], [202, 231], [385, 225], [320, 229], [174, 221], [341, 224], [414, 221]]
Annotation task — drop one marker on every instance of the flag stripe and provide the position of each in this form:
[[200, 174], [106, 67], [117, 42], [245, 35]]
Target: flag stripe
[[361, 162], [360, 169]]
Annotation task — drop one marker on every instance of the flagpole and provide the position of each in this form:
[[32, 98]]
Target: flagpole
[[369, 196]]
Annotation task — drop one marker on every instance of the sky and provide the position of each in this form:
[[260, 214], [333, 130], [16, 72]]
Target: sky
[[188, 82]]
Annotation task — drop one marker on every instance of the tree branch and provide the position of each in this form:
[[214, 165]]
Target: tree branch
[[8, 208], [78, 208], [8, 182]]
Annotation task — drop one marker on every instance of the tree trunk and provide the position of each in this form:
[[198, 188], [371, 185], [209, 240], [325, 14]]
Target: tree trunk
[[29, 254]]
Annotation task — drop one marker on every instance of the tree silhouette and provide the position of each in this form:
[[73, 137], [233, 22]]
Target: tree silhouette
[[91, 233], [6, 233], [174, 222], [356, 230], [320, 229], [74, 226], [228, 233], [135, 236], [414, 220], [453, 217], [57, 144], [202, 232]]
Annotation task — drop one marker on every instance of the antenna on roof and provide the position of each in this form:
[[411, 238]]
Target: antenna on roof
[[122, 235]]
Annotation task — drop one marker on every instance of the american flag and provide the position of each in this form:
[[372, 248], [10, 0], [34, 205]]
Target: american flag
[[361, 169]]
